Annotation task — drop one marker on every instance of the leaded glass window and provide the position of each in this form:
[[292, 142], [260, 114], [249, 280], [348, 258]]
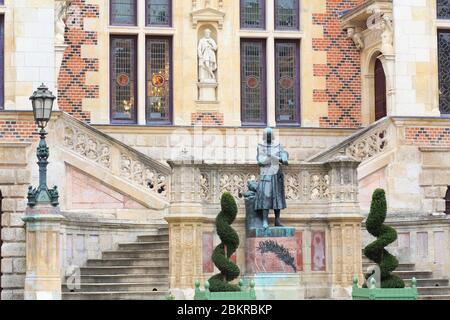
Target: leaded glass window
[[159, 80], [123, 79], [287, 14], [159, 12], [443, 9], [253, 82], [447, 201], [444, 71], [123, 12], [287, 95], [253, 14]]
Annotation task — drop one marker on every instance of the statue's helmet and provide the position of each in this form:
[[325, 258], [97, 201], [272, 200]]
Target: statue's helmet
[[268, 135]]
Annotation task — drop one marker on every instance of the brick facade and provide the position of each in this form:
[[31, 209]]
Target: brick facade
[[342, 71], [18, 131], [72, 87], [207, 119], [428, 136]]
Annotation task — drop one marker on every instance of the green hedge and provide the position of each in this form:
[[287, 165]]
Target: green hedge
[[229, 240]]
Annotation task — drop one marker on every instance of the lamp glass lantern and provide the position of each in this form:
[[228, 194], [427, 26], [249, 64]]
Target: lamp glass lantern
[[42, 101]]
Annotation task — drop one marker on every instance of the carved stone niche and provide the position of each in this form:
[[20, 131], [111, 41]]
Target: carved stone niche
[[207, 11], [370, 24]]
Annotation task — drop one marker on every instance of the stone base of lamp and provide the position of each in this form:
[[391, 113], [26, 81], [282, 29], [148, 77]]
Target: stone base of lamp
[[207, 91], [43, 276]]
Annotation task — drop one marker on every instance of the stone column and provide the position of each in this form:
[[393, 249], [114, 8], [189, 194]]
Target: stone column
[[344, 221], [43, 276]]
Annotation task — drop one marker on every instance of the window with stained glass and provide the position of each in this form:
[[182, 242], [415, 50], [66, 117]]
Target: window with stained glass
[[123, 79], [443, 9], [253, 82], [159, 79], [447, 201], [123, 12], [287, 93], [2, 66], [159, 12], [444, 71], [253, 14], [287, 14]]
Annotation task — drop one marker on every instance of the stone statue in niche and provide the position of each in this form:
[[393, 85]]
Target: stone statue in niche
[[207, 59], [61, 13]]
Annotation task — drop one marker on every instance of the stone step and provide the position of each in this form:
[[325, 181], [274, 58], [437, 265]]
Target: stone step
[[157, 262], [123, 270], [434, 291], [144, 245], [401, 266], [153, 238], [414, 274], [119, 287], [136, 254], [428, 282], [442, 297], [125, 278], [131, 295]]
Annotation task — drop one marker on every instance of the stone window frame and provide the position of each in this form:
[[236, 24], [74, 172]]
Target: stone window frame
[[271, 34], [142, 31]]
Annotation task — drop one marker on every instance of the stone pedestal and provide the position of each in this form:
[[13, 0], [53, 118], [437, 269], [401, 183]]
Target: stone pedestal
[[207, 91], [43, 276]]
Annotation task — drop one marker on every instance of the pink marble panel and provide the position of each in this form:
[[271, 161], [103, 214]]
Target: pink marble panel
[[299, 240], [318, 251], [207, 247]]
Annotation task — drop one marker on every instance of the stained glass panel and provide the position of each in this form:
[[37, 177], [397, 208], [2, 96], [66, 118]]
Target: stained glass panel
[[253, 82], [287, 14], [443, 9], [253, 14], [123, 79], [159, 12], [444, 70], [287, 82], [123, 12], [159, 87]]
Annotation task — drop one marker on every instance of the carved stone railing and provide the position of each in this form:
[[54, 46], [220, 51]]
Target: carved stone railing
[[127, 163], [306, 184], [364, 144]]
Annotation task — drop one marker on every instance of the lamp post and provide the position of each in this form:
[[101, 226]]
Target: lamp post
[[42, 102], [43, 217]]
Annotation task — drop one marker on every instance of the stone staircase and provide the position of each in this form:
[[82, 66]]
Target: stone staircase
[[429, 288], [135, 271]]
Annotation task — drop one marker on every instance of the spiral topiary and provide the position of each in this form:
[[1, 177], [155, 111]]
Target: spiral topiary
[[229, 243], [385, 235]]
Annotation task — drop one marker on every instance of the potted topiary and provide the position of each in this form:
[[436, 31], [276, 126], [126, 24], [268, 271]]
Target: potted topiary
[[390, 287], [219, 287]]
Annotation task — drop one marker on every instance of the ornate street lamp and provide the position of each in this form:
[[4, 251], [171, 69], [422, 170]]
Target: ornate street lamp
[[42, 101]]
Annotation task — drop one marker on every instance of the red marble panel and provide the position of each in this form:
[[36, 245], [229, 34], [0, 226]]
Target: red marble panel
[[207, 246], [267, 255], [318, 251]]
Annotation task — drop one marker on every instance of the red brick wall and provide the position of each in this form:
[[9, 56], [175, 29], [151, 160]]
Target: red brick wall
[[207, 119], [72, 77], [17, 131], [342, 71], [428, 136]]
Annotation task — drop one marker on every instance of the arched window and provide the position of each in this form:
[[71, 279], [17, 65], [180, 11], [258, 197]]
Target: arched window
[[447, 201], [380, 91]]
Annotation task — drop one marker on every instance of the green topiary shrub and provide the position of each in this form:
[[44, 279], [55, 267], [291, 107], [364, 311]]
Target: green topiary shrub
[[229, 243], [385, 235]]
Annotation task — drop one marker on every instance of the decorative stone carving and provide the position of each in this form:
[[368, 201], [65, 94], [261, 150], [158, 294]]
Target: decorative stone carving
[[387, 37], [355, 35], [61, 13], [87, 146], [206, 13], [320, 184], [369, 146]]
